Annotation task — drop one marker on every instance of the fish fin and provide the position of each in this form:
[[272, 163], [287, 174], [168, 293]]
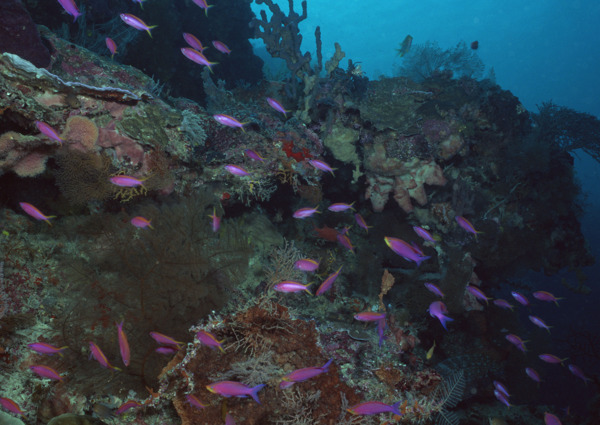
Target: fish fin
[[254, 392], [395, 408]]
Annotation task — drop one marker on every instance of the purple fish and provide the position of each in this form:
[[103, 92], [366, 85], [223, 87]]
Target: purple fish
[[466, 224], [253, 155], [236, 170], [533, 374], [502, 398], [516, 341], [46, 130], [166, 350], [127, 405], [111, 45], [546, 296], [300, 375], [11, 406], [229, 420], [44, 348], [46, 372], [235, 389], [306, 265], [374, 408], [344, 240], [196, 56], [551, 358], [502, 304], [424, 234], [165, 339], [135, 22], [123, 344], [434, 289], [194, 401], [35, 213], [215, 220], [291, 286], [321, 165], [193, 42], [97, 354], [228, 120], [438, 309], [550, 419], [327, 283], [578, 373], [203, 5], [141, 222], [221, 47], [501, 387], [210, 340], [305, 212], [477, 293], [340, 206], [539, 323], [520, 298], [361, 222], [277, 106], [405, 250], [126, 181], [369, 316], [71, 8]]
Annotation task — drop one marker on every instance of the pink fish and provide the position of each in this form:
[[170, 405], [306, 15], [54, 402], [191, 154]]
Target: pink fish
[[434, 289], [424, 234], [126, 181], [551, 358], [196, 56], [277, 106], [291, 286], [477, 293], [306, 265], [546, 296], [11, 406], [321, 165], [236, 170], [466, 224], [516, 341], [112, 46], [228, 120], [253, 155], [46, 130], [405, 250], [166, 350], [539, 323], [44, 348], [221, 47], [340, 206], [123, 344], [520, 298], [550, 419], [374, 408], [578, 373], [203, 5], [369, 316], [502, 304], [361, 222], [193, 42], [300, 375], [533, 374], [501, 397], [305, 212], [97, 354], [235, 389], [141, 222], [210, 340], [165, 339], [344, 240], [438, 309], [130, 404], [194, 401], [71, 8], [327, 283], [35, 213], [215, 221], [135, 22], [46, 372]]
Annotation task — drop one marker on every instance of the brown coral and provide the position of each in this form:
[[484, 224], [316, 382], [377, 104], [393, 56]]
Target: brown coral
[[81, 133]]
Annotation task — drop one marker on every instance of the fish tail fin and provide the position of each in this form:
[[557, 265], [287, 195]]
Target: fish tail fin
[[444, 320], [421, 259], [325, 367], [47, 219], [396, 408], [254, 392], [149, 29]]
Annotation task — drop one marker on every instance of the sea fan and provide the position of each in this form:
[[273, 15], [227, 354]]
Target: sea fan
[[449, 394]]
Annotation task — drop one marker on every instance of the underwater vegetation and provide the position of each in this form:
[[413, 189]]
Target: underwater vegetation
[[322, 249]]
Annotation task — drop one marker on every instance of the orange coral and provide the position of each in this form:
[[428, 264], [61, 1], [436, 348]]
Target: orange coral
[[81, 133]]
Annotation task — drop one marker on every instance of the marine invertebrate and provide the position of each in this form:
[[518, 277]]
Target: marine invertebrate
[[81, 133]]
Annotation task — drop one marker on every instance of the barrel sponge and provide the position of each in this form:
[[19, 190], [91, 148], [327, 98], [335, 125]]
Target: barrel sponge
[[81, 133]]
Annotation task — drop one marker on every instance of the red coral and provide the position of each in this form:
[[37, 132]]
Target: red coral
[[288, 148]]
